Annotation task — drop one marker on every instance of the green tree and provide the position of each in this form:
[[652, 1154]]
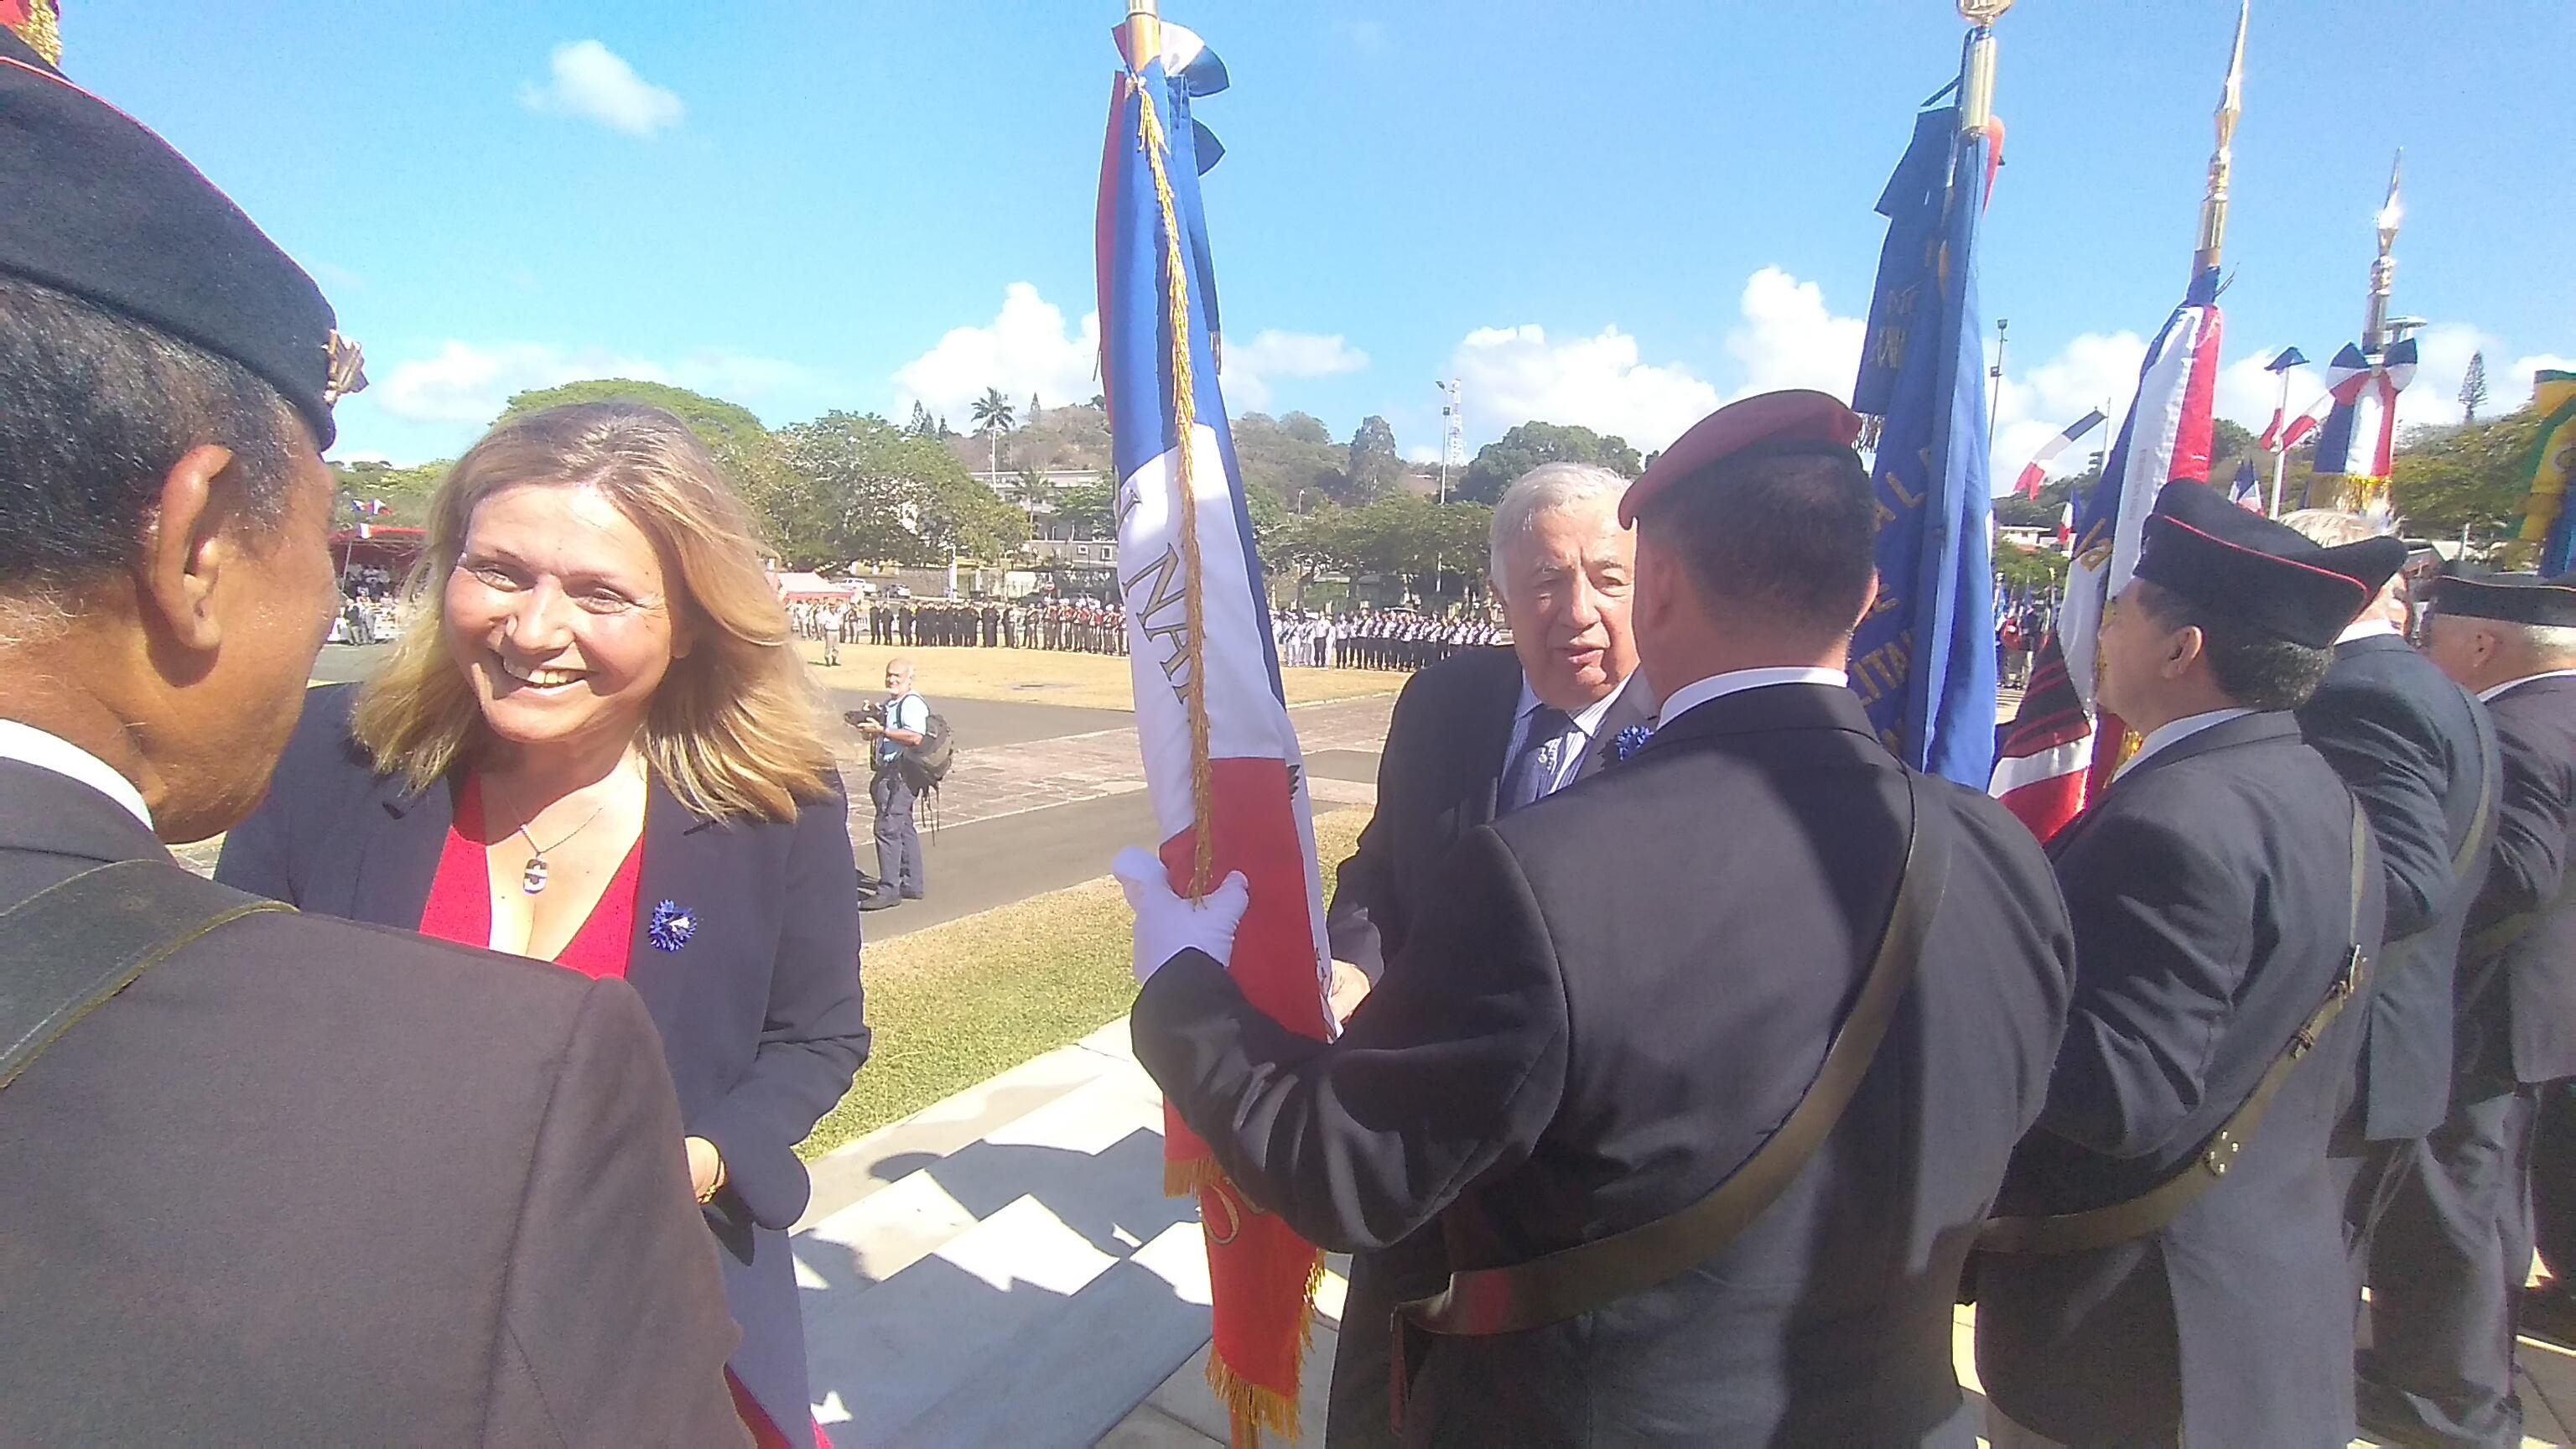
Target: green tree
[[405, 492], [1376, 468], [1089, 508], [1532, 443], [2029, 568], [1288, 457], [2048, 507], [2472, 475], [877, 492], [2473, 387], [922, 425], [746, 451]]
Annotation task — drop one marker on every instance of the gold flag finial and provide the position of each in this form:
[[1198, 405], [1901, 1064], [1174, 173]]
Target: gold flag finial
[[1977, 67], [2383, 267], [2222, 160]]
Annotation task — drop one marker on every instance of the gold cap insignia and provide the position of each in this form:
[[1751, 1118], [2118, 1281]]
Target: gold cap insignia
[[346, 368]]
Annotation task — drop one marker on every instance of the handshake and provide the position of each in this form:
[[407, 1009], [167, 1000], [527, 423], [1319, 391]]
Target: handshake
[[1167, 925]]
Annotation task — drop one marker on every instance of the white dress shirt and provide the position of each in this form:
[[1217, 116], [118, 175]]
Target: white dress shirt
[[1560, 757], [2366, 629], [29, 745], [2175, 731], [1735, 681], [2487, 696]]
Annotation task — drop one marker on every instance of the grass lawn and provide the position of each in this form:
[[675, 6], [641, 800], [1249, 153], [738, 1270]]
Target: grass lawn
[[957, 1003], [1046, 676]]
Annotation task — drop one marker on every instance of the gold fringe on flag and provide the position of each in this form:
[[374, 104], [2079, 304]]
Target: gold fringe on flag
[[41, 26]]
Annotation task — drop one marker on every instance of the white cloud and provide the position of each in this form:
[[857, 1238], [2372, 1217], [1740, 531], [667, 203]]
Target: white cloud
[[2094, 370], [1789, 338], [596, 84], [1026, 349], [465, 382], [1514, 375], [1250, 367]]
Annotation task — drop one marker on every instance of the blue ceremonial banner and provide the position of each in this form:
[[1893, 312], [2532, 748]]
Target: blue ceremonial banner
[[1923, 660]]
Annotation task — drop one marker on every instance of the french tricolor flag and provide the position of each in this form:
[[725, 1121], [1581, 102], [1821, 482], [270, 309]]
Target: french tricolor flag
[[1222, 766]]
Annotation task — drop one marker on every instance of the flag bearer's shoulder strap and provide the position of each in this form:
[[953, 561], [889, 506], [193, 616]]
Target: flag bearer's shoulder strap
[[1592, 1275], [67, 949]]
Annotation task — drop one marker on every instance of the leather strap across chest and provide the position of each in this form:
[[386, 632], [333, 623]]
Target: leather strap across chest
[[71, 947]]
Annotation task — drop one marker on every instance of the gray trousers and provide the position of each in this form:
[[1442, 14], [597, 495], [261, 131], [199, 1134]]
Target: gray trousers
[[2446, 1272], [898, 843]]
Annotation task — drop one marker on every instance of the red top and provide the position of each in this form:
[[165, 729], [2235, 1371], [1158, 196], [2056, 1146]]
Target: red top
[[460, 898]]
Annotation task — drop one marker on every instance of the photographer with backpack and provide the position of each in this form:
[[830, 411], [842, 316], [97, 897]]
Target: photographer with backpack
[[904, 727]]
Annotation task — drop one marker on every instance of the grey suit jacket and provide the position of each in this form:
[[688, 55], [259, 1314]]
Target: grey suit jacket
[[310, 1182]]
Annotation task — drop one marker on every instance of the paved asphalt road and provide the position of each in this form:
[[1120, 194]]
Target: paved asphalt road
[[992, 862], [978, 722]]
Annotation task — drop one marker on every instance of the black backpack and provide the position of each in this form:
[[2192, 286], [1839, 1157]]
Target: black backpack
[[927, 763]]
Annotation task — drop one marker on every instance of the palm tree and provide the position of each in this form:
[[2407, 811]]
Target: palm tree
[[993, 414]]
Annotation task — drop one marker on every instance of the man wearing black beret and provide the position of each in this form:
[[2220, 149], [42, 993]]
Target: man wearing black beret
[[2167, 1263], [2447, 1270], [270, 1178]]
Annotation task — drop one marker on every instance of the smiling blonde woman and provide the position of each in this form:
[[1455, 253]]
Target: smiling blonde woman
[[595, 746]]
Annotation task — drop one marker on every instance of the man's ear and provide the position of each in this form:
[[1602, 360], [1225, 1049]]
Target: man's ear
[[187, 550], [2182, 647], [1868, 602]]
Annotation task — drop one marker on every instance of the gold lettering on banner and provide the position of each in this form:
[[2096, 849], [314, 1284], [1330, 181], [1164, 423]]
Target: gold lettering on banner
[[1162, 616], [1887, 348], [1896, 486], [1221, 1199], [1882, 670]]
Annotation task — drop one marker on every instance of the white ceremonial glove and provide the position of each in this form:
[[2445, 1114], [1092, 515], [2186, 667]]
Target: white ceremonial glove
[[1167, 925]]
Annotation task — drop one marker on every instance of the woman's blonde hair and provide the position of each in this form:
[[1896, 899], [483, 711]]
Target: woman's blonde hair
[[736, 727]]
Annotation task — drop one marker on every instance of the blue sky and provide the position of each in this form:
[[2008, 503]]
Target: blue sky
[[1616, 214]]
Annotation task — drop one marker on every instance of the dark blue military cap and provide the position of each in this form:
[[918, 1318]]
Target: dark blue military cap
[[2242, 566], [99, 207], [2510, 599]]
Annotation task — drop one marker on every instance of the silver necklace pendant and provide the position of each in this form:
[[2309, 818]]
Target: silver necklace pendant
[[532, 876]]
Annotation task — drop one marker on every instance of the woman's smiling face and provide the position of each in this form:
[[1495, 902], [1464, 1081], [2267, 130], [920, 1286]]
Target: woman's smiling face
[[559, 612]]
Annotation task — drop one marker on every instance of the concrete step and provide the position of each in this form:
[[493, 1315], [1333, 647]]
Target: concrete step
[[856, 1170], [1070, 1377], [1049, 1150]]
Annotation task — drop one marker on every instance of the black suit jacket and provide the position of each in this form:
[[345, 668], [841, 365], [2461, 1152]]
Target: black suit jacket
[[759, 1012], [2518, 1004], [1437, 778], [312, 1182], [2211, 889], [1610, 1000], [2403, 738]]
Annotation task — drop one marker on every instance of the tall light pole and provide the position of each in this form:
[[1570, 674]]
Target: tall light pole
[[1453, 432], [1995, 394]]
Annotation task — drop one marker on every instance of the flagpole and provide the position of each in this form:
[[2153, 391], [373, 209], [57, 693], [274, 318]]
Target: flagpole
[[1144, 32], [2222, 161], [2281, 457]]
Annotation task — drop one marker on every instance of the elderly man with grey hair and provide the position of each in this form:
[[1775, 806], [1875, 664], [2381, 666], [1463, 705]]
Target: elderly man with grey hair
[[1480, 734]]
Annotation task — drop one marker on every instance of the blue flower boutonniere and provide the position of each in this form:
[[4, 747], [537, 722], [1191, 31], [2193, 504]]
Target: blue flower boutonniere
[[672, 926], [1625, 745]]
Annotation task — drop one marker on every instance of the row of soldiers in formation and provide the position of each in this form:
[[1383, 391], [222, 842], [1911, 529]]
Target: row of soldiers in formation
[[1086, 625], [1376, 638]]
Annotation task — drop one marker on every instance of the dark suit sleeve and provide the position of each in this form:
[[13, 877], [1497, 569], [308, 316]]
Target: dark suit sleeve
[[2160, 947], [613, 1323], [259, 854], [2391, 758], [2532, 810], [1449, 1072], [1366, 923], [816, 1034]]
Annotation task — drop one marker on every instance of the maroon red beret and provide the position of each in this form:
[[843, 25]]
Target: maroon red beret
[[1792, 420]]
